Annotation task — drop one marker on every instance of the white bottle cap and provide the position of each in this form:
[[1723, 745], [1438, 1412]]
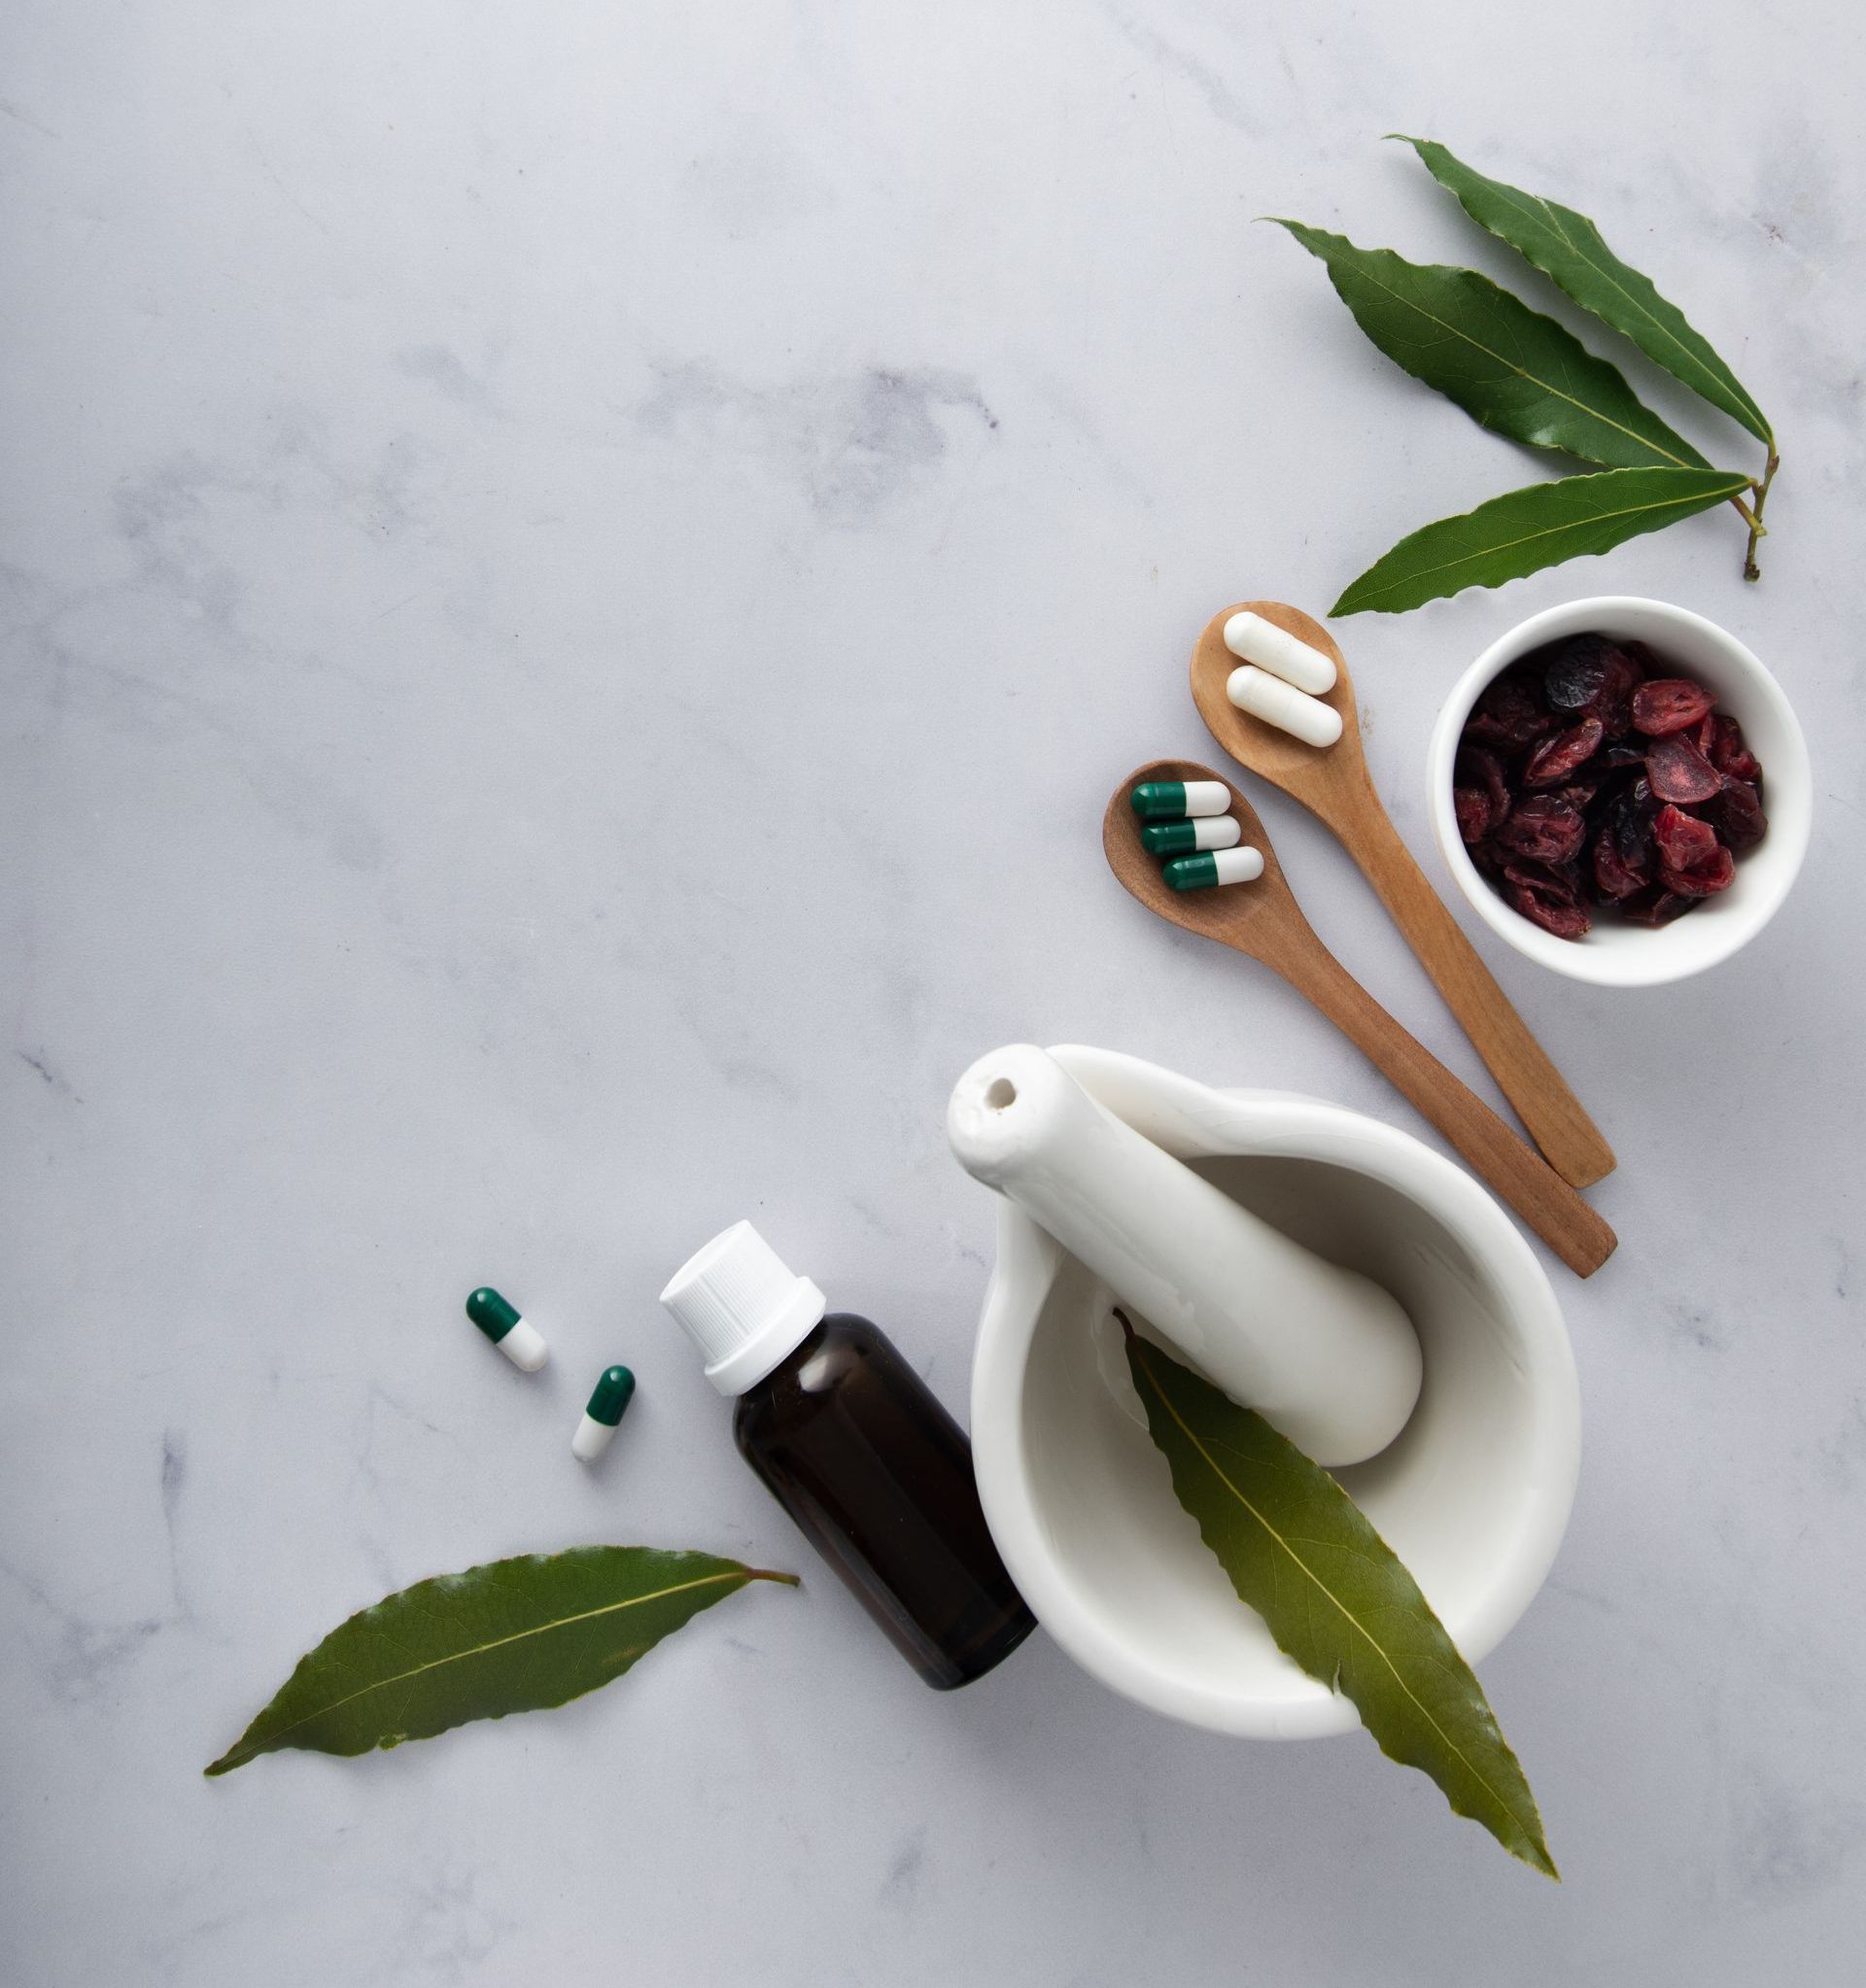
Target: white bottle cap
[[741, 1306]]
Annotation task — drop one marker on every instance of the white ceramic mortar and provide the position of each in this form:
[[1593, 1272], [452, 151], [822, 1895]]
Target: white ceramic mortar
[[1473, 1495]]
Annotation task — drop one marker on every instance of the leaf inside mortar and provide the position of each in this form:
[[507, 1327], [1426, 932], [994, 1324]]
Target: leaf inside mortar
[[1334, 1596]]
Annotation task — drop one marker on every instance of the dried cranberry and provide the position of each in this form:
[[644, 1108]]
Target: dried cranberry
[[1549, 898], [1472, 810], [1566, 921], [1684, 841], [1669, 703], [1729, 754], [1657, 906], [1736, 813], [1561, 879], [1555, 759], [1588, 677], [1513, 709], [1613, 707], [1680, 772], [1543, 827], [1703, 879], [1475, 767], [1631, 821], [1614, 876], [1575, 671], [1580, 794]]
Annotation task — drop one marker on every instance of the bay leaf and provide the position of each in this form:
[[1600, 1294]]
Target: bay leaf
[[1511, 368], [1569, 250], [1300, 1552], [513, 1635], [1530, 528]]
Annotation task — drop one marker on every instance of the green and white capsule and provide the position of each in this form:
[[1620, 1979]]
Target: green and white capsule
[[515, 1336], [1179, 799], [1185, 838], [1220, 866], [607, 1406]]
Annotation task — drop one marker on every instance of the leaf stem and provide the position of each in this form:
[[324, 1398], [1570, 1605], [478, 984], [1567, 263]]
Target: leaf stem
[[1757, 528]]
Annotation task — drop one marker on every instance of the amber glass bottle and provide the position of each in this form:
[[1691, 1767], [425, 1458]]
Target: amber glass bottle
[[858, 1449]]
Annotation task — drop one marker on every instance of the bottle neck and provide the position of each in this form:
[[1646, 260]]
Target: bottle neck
[[788, 1372]]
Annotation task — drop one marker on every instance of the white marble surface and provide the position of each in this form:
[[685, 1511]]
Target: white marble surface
[[575, 580]]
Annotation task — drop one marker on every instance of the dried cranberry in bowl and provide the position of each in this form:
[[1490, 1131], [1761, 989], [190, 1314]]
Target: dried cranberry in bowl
[[1593, 779]]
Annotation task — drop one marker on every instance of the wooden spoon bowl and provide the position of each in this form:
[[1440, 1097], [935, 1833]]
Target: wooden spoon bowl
[[1253, 917], [1332, 781], [1264, 920]]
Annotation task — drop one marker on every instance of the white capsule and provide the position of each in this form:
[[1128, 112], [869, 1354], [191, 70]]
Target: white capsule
[[1207, 797], [524, 1346], [592, 1438], [1283, 705], [1238, 866], [1276, 650], [1217, 832]]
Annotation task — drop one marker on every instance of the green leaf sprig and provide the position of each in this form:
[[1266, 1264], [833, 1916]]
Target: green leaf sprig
[[1336, 1598], [1537, 526], [1519, 372], [514, 1636]]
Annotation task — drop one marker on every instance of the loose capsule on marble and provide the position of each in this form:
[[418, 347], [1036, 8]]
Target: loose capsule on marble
[[515, 1336], [609, 1403]]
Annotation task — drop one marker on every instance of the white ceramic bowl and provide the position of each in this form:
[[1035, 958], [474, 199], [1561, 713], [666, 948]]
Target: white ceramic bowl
[[1473, 1496], [1614, 954]]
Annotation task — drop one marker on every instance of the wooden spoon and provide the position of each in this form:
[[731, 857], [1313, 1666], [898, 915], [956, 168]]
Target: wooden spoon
[[1264, 920], [1334, 785]]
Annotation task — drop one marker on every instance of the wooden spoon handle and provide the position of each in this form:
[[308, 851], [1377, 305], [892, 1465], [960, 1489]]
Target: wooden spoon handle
[[1521, 1177], [1524, 1074]]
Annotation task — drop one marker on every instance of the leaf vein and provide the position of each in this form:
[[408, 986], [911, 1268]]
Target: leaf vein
[[1452, 331], [1502, 1801], [496, 1643], [1575, 524]]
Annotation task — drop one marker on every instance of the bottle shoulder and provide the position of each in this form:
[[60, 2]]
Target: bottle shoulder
[[840, 1348]]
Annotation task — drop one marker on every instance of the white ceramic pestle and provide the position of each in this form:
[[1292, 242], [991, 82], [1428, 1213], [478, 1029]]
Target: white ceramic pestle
[[1324, 1353]]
